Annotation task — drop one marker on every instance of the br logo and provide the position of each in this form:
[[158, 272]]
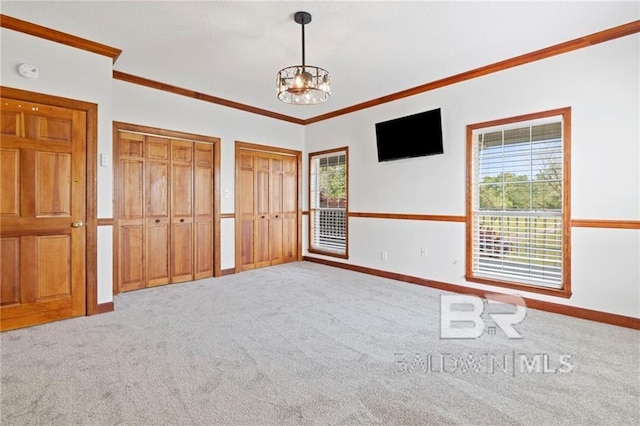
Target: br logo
[[461, 316]]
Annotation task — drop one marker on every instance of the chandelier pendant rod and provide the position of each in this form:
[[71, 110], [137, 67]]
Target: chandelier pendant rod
[[303, 61]]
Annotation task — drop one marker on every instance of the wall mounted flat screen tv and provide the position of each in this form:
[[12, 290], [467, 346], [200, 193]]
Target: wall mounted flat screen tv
[[415, 135]]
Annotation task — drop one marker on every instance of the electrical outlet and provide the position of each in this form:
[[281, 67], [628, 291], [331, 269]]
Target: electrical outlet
[[383, 255], [424, 252]]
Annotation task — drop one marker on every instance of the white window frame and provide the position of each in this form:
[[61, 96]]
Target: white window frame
[[335, 218], [491, 258]]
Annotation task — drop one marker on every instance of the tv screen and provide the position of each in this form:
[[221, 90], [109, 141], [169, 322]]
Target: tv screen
[[415, 135]]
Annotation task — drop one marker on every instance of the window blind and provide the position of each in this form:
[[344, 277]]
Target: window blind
[[328, 196], [517, 204]]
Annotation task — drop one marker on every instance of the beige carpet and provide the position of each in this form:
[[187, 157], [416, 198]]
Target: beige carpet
[[308, 344]]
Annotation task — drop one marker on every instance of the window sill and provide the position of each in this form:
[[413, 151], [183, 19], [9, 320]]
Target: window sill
[[329, 253], [560, 292]]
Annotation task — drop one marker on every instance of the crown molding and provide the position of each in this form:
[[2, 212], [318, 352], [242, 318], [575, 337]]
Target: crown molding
[[35, 30], [165, 87], [575, 44]]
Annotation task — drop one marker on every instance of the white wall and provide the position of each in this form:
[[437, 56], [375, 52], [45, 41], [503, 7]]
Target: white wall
[[149, 107], [76, 74], [599, 83]]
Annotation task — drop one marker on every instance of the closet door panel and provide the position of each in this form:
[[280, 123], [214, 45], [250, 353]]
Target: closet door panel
[[181, 253], [203, 250], [276, 220], [289, 239], [247, 257], [290, 209], [246, 211], [158, 165], [181, 211], [131, 262], [262, 249], [132, 189], [157, 217], [276, 236], [262, 199], [262, 184], [181, 191], [203, 211], [130, 223], [158, 237]]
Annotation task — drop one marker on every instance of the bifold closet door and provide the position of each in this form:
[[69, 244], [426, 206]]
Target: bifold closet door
[[290, 209], [203, 210], [276, 209], [254, 185], [181, 211], [165, 215], [131, 212], [245, 207], [262, 248], [267, 208], [158, 176], [283, 214]]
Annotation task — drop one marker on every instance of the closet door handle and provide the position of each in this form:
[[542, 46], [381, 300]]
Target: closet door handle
[[261, 217], [157, 220], [181, 220], [277, 216]]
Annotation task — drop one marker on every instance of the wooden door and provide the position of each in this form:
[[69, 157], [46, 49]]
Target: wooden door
[[165, 210], [181, 211], [290, 209], [245, 206], [266, 208], [42, 213], [203, 210], [131, 215], [261, 247], [157, 163], [276, 209]]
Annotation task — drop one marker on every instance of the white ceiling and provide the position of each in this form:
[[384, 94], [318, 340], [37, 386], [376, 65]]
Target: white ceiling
[[233, 49]]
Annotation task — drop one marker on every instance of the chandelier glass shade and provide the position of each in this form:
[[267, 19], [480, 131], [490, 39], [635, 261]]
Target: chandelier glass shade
[[306, 85], [303, 84]]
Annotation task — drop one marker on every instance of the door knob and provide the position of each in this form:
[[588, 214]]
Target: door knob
[[77, 224]]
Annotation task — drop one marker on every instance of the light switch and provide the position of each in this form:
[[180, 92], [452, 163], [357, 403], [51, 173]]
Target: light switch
[[105, 161]]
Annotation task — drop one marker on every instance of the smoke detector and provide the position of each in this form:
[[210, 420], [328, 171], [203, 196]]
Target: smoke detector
[[28, 71]]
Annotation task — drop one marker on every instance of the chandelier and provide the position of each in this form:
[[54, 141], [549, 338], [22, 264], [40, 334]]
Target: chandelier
[[303, 84]]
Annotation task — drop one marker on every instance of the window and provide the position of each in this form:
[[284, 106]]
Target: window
[[328, 177], [518, 230]]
